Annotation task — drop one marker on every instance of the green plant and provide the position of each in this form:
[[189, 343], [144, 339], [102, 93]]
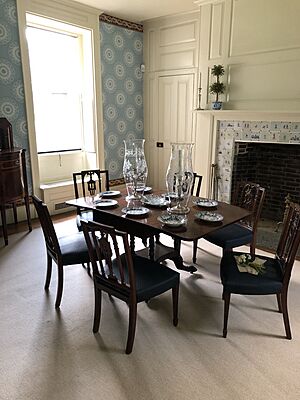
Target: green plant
[[217, 87]]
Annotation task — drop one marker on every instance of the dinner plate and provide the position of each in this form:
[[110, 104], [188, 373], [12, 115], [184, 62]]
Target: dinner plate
[[155, 200], [110, 193], [146, 190], [209, 216], [203, 202], [135, 211], [171, 220], [105, 203]]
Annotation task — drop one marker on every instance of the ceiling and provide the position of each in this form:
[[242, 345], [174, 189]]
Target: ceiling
[[141, 10]]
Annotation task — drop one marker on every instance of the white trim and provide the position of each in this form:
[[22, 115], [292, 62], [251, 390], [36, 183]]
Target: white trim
[[76, 14]]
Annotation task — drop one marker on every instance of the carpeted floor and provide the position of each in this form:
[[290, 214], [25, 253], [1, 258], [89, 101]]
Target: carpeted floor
[[50, 355]]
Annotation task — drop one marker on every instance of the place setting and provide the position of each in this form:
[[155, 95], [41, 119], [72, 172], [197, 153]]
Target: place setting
[[173, 221], [205, 202], [103, 201], [154, 200], [110, 193], [209, 217], [135, 211]]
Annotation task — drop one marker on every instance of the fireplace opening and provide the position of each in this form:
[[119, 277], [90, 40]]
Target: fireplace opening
[[276, 167]]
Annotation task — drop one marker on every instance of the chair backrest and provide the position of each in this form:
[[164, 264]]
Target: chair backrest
[[197, 180], [289, 240], [92, 182], [112, 270], [250, 196], [50, 236]]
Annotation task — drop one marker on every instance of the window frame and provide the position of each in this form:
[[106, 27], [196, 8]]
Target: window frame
[[81, 16]]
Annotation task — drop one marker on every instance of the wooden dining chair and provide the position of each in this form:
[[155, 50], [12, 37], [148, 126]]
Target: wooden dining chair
[[250, 196], [66, 250], [89, 183], [128, 277], [276, 276], [196, 185]]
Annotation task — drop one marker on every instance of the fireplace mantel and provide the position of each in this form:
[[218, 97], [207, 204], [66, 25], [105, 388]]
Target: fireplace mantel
[[208, 123], [251, 115]]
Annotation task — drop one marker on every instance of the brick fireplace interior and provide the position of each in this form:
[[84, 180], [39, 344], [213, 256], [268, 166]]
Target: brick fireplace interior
[[273, 166]]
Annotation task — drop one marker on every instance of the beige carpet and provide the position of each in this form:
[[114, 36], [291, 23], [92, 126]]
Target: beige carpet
[[47, 355]]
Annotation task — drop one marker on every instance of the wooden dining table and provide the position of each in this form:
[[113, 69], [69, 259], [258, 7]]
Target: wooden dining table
[[148, 225]]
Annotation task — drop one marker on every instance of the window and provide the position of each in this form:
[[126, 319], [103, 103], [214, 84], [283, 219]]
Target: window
[[63, 92], [57, 87]]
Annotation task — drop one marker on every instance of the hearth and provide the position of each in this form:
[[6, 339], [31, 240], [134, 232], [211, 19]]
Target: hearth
[[276, 167]]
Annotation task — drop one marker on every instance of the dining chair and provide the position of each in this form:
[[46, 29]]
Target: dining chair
[[273, 279], [89, 183], [128, 277], [250, 196], [66, 250], [196, 185]]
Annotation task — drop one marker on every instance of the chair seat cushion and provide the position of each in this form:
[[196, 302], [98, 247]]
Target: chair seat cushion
[[267, 282], [230, 236], [152, 278], [74, 249]]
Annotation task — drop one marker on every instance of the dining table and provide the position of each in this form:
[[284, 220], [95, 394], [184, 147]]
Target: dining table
[[113, 210]]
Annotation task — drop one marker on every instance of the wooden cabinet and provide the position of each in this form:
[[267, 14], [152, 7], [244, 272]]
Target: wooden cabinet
[[13, 185]]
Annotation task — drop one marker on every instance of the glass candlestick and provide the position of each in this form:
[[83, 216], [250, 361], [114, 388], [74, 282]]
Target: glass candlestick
[[179, 177]]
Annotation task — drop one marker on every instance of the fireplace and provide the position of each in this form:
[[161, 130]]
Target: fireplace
[[276, 167]]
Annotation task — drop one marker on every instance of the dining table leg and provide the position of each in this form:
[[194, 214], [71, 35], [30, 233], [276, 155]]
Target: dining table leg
[[179, 261]]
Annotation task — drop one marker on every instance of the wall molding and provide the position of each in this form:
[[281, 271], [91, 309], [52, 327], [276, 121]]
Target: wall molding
[[109, 19]]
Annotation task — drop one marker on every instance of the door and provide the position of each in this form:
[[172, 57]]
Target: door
[[175, 122]]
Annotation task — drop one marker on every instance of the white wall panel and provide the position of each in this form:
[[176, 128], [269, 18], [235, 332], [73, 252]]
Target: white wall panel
[[264, 26], [178, 59], [216, 36], [273, 81], [181, 33]]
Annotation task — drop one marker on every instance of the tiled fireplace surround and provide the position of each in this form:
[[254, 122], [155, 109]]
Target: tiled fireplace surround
[[270, 144]]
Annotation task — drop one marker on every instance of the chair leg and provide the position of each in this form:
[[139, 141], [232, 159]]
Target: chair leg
[[195, 245], [278, 295], [97, 311], [252, 249], [131, 327], [15, 213], [226, 298], [49, 272], [60, 283], [175, 292], [286, 315]]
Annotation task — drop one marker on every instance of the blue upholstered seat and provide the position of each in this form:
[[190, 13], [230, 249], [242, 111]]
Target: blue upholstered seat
[[250, 196], [73, 249], [231, 236], [234, 281]]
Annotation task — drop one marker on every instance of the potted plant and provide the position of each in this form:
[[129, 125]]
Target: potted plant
[[217, 87]]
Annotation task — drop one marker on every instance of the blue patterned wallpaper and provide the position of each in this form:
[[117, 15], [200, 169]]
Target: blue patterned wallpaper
[[12, 102], [122, 87]]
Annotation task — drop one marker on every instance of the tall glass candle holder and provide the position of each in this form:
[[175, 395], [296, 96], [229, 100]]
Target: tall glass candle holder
[[179, 177], [135, 170]]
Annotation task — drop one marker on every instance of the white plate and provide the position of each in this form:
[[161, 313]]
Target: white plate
[[155, 201], [209, 216], [171, 220], [135, 211], [146, 190], [202, 202], [110, 193], [105, 203]]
